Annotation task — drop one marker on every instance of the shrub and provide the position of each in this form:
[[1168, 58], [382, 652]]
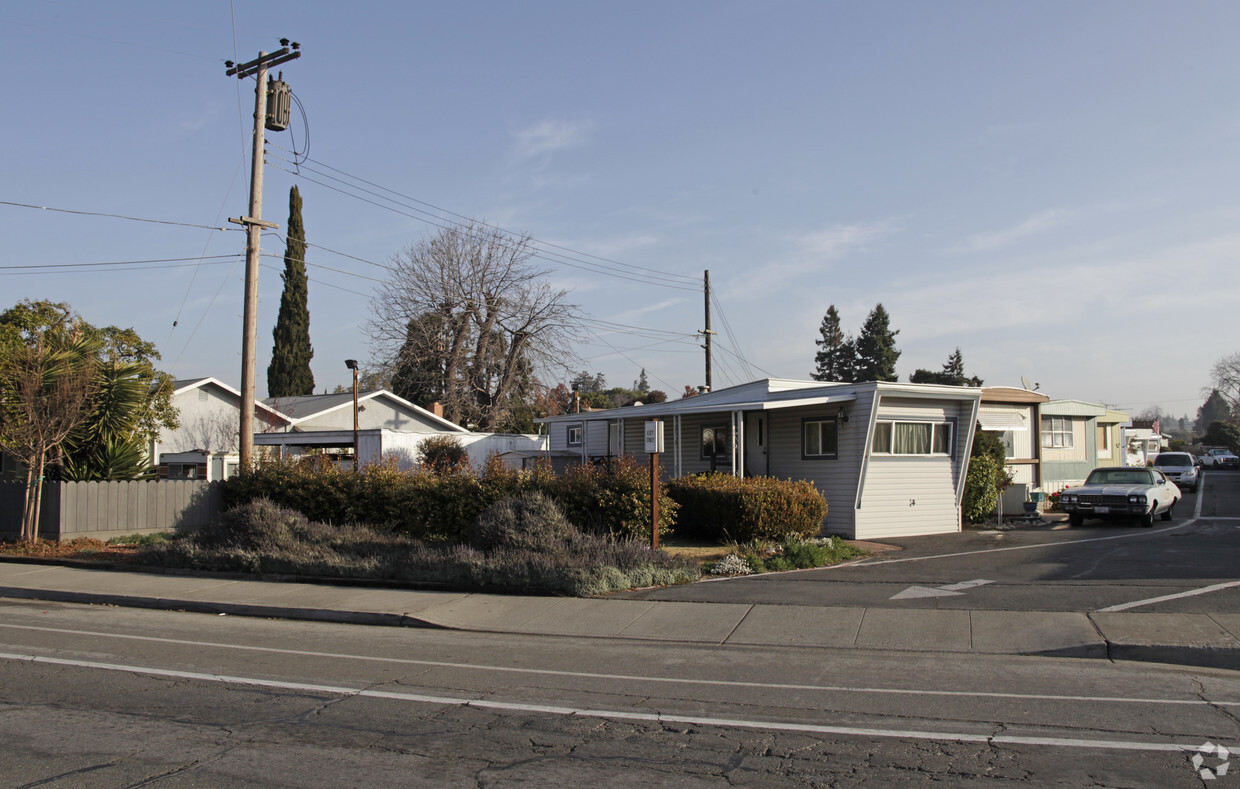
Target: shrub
[[613, 501], [987, 476], [981, 494], [528, 521], [261, 536], [442, 455], [721, 507]]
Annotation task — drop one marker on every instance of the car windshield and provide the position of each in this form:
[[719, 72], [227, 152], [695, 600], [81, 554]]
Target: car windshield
[[1172, 460], [1119, 476]]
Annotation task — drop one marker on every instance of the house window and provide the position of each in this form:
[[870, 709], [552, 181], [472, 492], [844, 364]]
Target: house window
[[1009, 444], [574, 435], [912, 438], [820, 438], [1056, 432], [716, 442]]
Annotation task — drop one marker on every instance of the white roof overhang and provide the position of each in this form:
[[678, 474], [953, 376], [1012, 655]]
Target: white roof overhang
[[1001, 420]]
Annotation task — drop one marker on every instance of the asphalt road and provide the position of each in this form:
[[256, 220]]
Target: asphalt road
[[96, 696], [1191, 564]]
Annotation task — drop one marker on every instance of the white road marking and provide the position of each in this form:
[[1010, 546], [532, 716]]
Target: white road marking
[[1165, 598], [915, 592], [697, 720], [920, 592], [629, 677], [966, 585], [1143, 533]]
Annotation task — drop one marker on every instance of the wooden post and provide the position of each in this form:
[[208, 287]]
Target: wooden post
[[654, 500]]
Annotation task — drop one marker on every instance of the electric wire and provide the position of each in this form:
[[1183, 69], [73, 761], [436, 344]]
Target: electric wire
[[326, 268], [115, 216], [542, 254], [623, 354], [469, 220], [305, 153], [727, 327], [552, 253], [178, 263]]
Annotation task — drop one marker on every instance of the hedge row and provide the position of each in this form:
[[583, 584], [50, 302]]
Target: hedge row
[[443, 507], [725, 508]]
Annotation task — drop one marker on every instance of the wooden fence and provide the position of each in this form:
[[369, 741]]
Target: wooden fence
[[110, 509]]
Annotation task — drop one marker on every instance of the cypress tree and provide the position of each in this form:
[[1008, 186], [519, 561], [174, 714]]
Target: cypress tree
[[876, 348], [289, 373]]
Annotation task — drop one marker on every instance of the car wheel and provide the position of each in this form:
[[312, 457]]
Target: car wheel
[[1148, 518], [1076, 519], [1167, 514]]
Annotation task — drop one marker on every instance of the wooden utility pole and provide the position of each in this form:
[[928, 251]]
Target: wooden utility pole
[[707, 332], [254, 226]]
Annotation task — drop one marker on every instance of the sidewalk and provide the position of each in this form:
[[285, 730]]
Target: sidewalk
[[1187, 639]]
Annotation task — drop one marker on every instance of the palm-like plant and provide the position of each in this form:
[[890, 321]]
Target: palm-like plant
[[111, 443]]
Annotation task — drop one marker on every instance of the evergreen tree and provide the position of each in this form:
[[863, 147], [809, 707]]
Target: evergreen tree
[[419, 377], [876, 348], [642, 384], [289, 374], [952, 374], [1214, 409], [837, 356]]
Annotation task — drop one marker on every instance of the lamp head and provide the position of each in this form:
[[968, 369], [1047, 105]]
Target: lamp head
[[351, 363]]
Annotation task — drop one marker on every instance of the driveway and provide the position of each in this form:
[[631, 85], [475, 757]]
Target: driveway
[[1187, 565]]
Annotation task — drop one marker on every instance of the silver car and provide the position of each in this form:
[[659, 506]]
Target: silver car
[[1121, 492], [1180, 468]]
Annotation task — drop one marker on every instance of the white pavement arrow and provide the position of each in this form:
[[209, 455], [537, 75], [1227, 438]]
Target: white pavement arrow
[[942, 591]]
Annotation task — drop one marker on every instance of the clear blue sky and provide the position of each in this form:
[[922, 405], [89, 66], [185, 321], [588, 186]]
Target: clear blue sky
[[1051, 187]]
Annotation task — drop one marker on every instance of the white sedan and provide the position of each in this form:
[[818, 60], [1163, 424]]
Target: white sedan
[[1121, 492]]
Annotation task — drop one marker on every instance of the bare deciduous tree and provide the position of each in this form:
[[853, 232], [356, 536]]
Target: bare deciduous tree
[[1226, 379], [467, 319]]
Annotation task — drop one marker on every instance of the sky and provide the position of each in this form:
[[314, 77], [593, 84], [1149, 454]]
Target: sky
[[1050, 187]]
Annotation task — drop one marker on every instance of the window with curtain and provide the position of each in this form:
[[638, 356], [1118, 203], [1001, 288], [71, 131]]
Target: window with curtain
[[912, 438]]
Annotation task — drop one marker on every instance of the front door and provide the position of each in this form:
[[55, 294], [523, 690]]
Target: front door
[[755, 445]]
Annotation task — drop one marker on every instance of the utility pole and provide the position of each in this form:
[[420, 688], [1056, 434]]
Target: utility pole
[[707, 332], [254, 226]]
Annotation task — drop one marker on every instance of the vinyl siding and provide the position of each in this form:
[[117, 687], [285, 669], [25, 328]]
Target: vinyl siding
[[906, 496], [836, 479]]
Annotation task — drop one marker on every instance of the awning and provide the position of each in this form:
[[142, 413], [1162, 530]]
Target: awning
[[1001, 421]]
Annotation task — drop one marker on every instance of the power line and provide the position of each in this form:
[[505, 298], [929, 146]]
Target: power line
[[469, 220], [630, 360], [132, 265], [727, 327], [113, 216], [561, 255], [326, 268]]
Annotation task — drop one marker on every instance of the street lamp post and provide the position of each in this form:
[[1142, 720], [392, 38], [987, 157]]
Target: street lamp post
[[352, 365]]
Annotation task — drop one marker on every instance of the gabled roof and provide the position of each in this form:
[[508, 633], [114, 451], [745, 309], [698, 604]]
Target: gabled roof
[[189, 384], [301, 409]]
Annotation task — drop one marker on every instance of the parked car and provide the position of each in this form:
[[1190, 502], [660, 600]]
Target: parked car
[[1121, 492], [1220, 458], [1180, 468]]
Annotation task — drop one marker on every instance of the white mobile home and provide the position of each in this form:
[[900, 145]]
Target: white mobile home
[[890, 458]]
